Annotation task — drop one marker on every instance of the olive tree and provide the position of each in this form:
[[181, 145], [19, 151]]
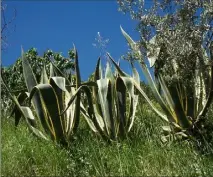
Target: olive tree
[[181, 27]]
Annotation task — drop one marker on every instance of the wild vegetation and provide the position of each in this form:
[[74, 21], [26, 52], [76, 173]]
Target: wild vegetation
[[143, 153], [176, 39], [113, 124], [13, 75]]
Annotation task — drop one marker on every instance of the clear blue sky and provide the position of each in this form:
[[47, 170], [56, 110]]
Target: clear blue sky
[[56, 25]]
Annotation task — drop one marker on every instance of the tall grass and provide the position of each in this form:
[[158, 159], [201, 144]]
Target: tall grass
[[141, 154]]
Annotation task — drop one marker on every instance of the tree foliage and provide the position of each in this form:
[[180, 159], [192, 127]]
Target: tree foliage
[[183, 29], [14, 73]]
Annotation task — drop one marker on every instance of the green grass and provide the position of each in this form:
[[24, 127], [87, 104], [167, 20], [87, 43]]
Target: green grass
[[142, 154]]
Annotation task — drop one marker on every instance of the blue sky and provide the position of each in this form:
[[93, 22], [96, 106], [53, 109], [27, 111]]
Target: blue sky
[[56, 25]]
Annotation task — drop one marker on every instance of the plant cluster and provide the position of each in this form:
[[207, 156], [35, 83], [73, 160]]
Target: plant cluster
[[176, 37], [178, 45], [13, 75], [184, 106], [52, 106], [110, 99]]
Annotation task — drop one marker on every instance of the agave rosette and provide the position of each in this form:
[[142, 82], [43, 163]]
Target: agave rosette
[[48, 99], [112, 106], [179, 108]]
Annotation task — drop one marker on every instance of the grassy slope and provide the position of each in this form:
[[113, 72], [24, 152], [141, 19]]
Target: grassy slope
[[141, 155]]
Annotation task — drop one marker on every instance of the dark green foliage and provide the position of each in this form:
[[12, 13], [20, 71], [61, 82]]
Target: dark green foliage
[[147, 89]]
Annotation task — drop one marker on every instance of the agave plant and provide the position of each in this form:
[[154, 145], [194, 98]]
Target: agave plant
[[111, 110], [183, 106], [47, 101]]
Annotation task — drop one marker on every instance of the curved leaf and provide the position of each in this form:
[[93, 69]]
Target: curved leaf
[[31, 82], [50, 105]]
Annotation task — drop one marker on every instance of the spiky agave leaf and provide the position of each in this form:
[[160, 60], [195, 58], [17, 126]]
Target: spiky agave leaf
[[26, 113], [31, 82]]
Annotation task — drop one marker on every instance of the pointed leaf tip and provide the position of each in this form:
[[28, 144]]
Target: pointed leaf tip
[[73, 45], [22, 50]]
